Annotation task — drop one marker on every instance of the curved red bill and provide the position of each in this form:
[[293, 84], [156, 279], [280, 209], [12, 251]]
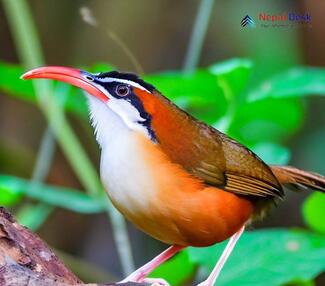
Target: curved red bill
[[69, 75]]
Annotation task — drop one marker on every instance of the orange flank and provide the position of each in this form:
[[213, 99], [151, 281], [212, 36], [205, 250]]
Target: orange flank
[[184, 211]]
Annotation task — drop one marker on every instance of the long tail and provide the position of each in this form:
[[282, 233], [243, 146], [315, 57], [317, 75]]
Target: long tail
[[296, 179]]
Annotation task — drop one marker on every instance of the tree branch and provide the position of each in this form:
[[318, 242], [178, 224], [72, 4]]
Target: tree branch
[[25, 260]]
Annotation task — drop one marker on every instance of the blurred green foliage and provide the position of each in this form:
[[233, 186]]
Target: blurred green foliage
[[177, 270], [261, 117], [267, 257], [57, 196], [313, 210]]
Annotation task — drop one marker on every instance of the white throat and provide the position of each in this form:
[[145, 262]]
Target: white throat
[[107, 124], [123, 171]]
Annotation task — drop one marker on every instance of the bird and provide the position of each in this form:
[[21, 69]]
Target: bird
[[176, 178]]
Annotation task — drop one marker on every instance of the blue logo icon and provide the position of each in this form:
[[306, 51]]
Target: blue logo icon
[[247, 21]]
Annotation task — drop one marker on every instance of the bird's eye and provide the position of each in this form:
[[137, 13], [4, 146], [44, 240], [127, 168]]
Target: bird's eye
[[88, 77], [122, 90]]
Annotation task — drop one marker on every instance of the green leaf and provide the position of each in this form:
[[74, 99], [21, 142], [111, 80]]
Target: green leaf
[[233, 75], [229, 66], [313, 211], [9, 198], [198, 93], [272, 120], [10, 82], [99, 67], [206, 93], [267, 257], [57, 196], [295, 82], [301, 283], [176, 270], [272, 153]]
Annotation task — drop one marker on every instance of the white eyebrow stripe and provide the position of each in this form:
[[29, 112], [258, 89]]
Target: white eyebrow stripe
[[126, 81]]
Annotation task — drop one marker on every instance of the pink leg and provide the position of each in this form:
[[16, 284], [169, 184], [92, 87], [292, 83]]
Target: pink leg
[[222, 260], [141, 273]]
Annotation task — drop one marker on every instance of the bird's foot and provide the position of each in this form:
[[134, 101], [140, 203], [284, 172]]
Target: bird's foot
[[156, 281]]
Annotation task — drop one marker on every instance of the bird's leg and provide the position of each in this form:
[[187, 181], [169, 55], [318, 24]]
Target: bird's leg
[[140, 274], [223, 258]]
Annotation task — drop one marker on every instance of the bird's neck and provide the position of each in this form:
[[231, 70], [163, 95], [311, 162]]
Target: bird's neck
[[178, 133]]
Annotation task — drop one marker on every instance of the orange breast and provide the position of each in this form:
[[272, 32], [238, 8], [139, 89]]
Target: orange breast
[[183, 210], [209, 216]]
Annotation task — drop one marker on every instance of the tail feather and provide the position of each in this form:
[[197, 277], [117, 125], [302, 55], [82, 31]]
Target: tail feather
[[297, 179]]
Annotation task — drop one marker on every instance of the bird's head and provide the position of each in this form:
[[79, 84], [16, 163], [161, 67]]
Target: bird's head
[[124, 95]]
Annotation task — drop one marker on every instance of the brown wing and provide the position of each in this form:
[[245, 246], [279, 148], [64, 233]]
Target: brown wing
[[246, 173], [211, 155]]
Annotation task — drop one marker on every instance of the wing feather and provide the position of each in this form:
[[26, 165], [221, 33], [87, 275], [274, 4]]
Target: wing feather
[[244, 185], [209, 154]]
